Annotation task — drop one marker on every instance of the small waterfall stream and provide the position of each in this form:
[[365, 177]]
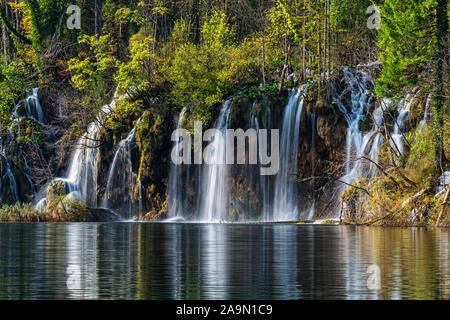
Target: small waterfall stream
[[120, 195], [428, 114], [214, 186], [401, 123], [285, 206], [358, 84], [29, 108]]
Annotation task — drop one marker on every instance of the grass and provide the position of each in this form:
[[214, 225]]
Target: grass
[[27, 213]]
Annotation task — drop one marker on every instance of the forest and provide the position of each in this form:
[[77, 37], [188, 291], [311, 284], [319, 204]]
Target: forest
[[91, 91]]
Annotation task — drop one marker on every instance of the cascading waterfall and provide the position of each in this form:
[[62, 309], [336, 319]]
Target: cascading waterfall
[[214, 185], [428, 115], [11, 179], [400, 124], [32, 107], [285, 207], [358, 145], [81, 178], [122, 181], [176, 201], [29, 108]]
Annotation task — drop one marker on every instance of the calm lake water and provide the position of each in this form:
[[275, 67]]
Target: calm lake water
[[207, 261]]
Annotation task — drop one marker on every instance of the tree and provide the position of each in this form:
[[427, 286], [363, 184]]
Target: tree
[[406, 43], [7, 24], [46, 17]]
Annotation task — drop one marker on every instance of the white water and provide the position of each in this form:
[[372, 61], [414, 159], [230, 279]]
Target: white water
[[428, 114], [176, 203], [122, 181], [32, 107], [81, 178], [285, 206], [358, 145], [401, 123], [12, 181], [214, 185]]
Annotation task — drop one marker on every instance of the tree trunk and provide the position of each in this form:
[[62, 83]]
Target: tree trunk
[[98, 17], [285, 67], [196, 21], [7, 24], [303, 77]]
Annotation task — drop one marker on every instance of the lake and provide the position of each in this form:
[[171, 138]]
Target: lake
[[222, 261]]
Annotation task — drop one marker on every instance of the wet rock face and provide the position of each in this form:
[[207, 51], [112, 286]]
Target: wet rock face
[[153, 138], [331, 126], [101, 215], [318, 158]]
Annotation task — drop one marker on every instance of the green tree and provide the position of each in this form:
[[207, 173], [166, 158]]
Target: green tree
[[406, 43]]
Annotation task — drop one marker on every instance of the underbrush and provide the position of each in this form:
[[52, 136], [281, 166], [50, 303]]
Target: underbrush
[[27, 213], [405, 195]]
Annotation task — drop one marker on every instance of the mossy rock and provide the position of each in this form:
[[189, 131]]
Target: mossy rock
[[330, 222], [56, 190]]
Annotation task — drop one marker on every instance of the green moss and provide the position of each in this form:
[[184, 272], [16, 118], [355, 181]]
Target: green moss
[[330, 222]]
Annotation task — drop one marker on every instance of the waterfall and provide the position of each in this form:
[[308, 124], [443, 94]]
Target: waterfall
[[12, 181], [377, 141], [401, 124], [29, 108], [176, 202], [285, 206], [428, 115], [81, 178], [122, 181], [214, 185], [358, 84]]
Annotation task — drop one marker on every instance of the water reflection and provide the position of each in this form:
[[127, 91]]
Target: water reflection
[[212, 261]]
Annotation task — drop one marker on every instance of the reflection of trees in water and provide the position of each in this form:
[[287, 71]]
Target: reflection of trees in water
[[191, 261]]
